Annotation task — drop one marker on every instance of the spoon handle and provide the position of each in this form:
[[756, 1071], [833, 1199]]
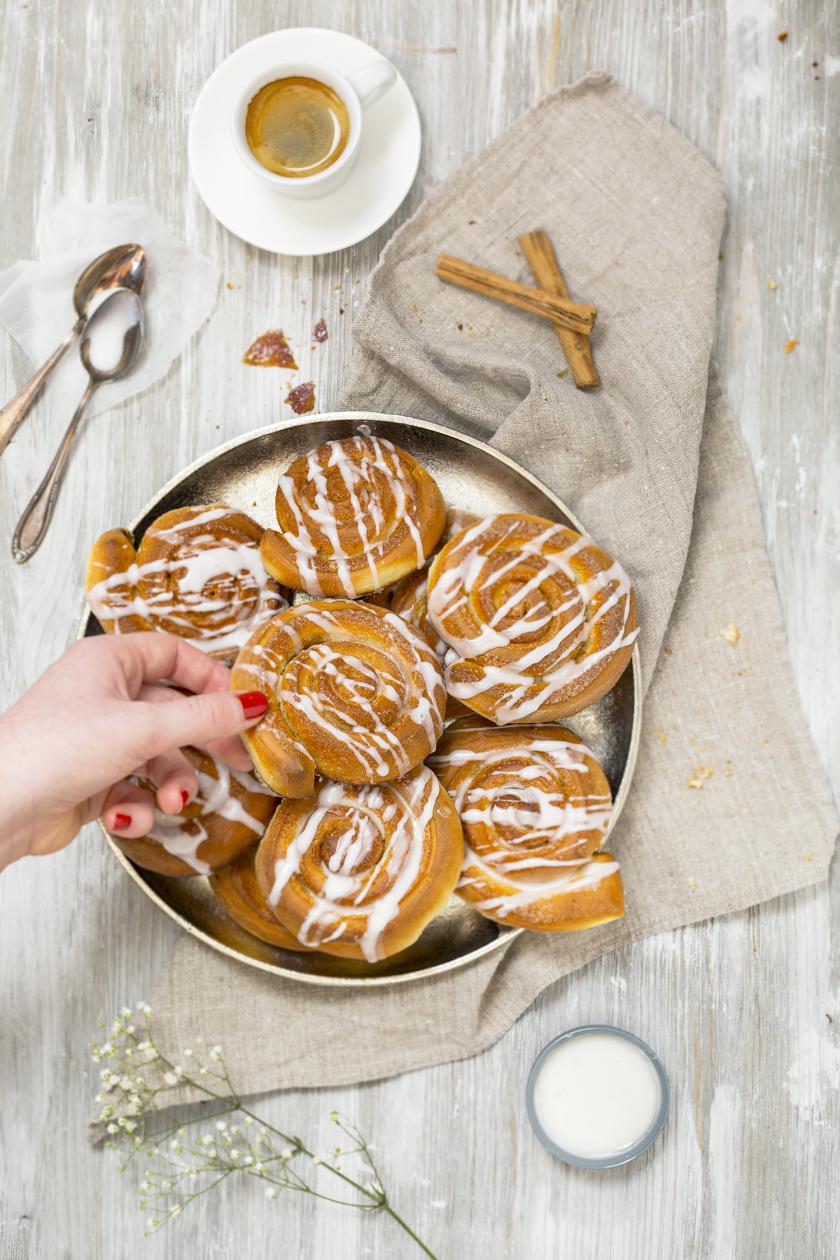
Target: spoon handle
[[35, 519], [13, 414]]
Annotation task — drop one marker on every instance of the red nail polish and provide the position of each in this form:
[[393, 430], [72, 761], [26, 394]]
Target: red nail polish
[[121, 821], [185, 796], [254, 703]]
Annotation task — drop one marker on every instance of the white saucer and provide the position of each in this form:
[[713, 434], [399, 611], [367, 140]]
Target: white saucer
[[245, 204]]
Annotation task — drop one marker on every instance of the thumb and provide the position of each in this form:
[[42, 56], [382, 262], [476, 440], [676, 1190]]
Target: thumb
[[200, 719]]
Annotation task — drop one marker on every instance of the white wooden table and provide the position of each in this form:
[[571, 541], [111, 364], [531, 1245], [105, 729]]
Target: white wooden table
[[96, 101]]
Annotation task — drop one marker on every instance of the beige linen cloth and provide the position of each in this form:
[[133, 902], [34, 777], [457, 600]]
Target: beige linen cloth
[[655, 467]]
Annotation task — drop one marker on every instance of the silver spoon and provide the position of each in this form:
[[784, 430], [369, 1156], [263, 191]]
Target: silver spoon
[[123, 267], [35, 520]]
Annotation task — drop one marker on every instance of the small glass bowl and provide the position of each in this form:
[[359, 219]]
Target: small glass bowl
[[621, 1157]]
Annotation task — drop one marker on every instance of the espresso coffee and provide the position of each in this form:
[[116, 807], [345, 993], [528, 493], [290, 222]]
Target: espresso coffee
[[297, 126]]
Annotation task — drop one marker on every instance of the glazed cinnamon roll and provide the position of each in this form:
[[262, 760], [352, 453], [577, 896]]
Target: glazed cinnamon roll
[[236, 887], [535, 806], [409, 597], [355, 694], [360, 871], [354, 516], [197, 573], [228, 815], [540, 622]]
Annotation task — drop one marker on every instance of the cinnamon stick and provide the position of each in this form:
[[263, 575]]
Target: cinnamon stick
[[572, 315], [541, 258]]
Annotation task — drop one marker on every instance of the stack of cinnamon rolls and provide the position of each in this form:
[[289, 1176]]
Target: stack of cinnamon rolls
[[418, 664]]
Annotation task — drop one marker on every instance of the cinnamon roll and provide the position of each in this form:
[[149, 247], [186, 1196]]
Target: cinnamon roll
[[409, 597], [354, 515], [236, 887], [539, 621], [228, 815], [359, 871], [355, 694], [535, 806], [197, 573]]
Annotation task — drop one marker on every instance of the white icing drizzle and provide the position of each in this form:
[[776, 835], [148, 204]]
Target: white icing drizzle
[[369, 710], [452, 611], [180, 580], [365, 464], [393, 817], [516, 805], [182, 837]]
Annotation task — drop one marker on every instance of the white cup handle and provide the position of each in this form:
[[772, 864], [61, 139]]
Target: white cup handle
[[372, 81]]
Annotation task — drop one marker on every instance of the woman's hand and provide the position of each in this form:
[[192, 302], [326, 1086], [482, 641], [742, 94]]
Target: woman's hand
[[103, 712]]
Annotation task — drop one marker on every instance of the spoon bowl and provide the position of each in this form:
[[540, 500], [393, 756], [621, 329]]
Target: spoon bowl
[[126, 337], [121, 267]]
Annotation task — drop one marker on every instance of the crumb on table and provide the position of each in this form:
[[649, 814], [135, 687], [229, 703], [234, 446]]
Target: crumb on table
[[731, 633], [301, 399], [271, 349], [700, 776]]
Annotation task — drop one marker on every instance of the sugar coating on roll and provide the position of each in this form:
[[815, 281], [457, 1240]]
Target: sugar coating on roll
[[228, 815], [535, 806], [359, 871], [197, 574], [354, 515], [355, 694], [539, 621]]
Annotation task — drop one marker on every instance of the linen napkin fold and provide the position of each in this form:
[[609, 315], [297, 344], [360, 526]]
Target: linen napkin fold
[[728, 807], [36, 297]]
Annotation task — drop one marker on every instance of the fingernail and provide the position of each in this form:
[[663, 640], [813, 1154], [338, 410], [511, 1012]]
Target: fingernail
[[185, 796], [121, 821], [254, 703]]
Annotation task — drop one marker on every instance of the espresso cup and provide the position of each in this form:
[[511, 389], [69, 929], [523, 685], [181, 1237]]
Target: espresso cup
[[357, 91]]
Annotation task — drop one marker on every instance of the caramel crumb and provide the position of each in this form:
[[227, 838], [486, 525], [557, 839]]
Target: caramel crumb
[[791, 345], [560, 375], [301, 399], [692, 884], [782, 35], [319, 332], [727, 769], [772, 284], [731, 633], [700, 776], [807, 857], [460, 327], [661, 736], [337, 287], [667, 652], [270, 350]]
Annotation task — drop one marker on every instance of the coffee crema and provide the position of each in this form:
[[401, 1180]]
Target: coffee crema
[[297, 126]]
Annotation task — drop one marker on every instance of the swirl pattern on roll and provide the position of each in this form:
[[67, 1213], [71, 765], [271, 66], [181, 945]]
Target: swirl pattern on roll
[[197, 574], [236, 887], [535, 806], [540, 622], [359, 871], [355, 694], [228, 815], [409, 597], [354, 515]]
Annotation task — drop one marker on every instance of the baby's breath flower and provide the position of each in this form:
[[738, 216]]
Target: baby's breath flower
[[287, 1153], [170, 1078], [216, 1052], [112, 1128], [188, 1054], [270, 1192], [221, 1126], [126, 1012]]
